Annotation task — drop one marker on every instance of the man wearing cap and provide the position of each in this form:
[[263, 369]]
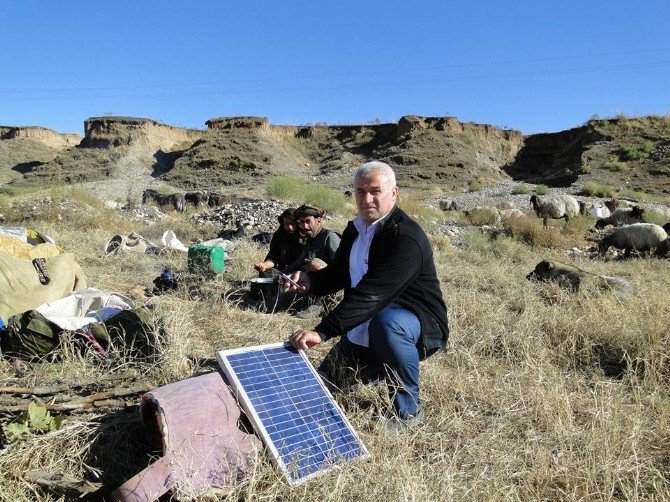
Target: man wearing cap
[[392, 314], [319, 243]]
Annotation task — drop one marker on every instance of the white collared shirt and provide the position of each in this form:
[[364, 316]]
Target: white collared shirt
[[358, 266]]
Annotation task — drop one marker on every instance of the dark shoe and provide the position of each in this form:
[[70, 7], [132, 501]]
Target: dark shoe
[[397, 426]]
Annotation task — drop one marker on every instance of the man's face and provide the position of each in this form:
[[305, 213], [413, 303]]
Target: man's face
[[289, 225], [374, 197], [309, 226]]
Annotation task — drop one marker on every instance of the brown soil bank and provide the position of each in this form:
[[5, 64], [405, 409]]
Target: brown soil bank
[[620, 152], [236, 152]]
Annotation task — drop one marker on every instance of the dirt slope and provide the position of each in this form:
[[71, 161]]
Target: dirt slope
[[620, 152], [234, 154]]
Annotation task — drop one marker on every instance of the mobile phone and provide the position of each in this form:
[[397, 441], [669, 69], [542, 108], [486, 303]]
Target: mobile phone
[[288, 279]]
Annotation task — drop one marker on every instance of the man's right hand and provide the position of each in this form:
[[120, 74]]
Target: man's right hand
[[300, 278], [304, 339]]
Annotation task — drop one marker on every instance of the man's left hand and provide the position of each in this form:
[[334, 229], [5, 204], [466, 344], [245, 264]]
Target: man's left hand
[[314, 264], [304, 339]]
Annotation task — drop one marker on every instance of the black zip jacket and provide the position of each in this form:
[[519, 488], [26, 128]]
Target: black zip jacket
[[284, 249], [400, 270]]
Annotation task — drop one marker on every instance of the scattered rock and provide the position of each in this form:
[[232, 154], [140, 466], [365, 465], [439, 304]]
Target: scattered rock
[[259, 215]]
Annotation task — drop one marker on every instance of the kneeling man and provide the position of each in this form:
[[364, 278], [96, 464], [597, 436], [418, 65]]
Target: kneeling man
[[392, 314]]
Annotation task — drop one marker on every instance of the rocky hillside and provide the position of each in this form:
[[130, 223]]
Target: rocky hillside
[[619, 152], [24, 148], [234, 153]]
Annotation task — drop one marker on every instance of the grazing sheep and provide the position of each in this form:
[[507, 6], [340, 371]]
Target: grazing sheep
[[595, 210], [561, 273], [508, 214], [176, 200], [448, 205], [483, 215], [197, 198], [571, 277], [611, 205], [663, 249], [622, 217], [215, 199], [639, 236], [554, 206]]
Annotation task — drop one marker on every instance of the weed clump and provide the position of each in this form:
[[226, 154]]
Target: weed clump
[[627, 153], [532, 232], [521, 190], [593, 189], [295, 189], [475, 186]]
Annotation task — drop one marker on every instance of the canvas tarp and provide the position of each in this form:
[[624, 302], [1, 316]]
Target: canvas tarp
[[25, 251], [203, 446], [27, 284], [84, 307]]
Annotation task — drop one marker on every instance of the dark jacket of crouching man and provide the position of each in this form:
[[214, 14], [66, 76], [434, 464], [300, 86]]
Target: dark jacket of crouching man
[[401, 282]]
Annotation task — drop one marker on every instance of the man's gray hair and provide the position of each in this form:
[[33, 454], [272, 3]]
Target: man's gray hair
[[368, 168]]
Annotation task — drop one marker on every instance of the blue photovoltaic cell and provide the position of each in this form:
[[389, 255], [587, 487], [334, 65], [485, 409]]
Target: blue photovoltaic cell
[[296, 414]]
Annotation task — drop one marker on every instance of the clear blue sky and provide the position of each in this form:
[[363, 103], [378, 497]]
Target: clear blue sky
[[537, 66]]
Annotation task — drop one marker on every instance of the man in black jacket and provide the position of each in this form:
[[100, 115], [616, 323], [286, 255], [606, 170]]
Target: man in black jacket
[[284, 246], [392, 313]]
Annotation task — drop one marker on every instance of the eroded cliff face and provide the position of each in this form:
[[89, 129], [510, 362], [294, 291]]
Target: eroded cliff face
[[47, 137], [105, 132], [425, 150]]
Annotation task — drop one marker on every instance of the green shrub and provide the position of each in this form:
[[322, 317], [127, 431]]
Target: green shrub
[[628, 193], [585, 169], [521, 190], [296, 189], [616, 166], [636, 153], [532, 232], [541, 189], [475, 186], [580, 223], [427, 216], [593, 189]]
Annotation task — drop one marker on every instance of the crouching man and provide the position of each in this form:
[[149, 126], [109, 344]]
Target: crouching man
[[392, 314]]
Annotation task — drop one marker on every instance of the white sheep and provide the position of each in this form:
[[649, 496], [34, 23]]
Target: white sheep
[[554, 206], [622, 217], [448, 205], [509, 214], [483, 215], [596, 210], [639, 236]]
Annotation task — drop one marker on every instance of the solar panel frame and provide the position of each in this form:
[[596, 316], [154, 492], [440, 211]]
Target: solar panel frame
[[290, 471]]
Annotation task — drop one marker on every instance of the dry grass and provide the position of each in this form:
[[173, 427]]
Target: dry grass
[[542, 395]]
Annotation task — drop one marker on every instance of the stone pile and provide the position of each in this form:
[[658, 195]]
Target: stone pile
[[145, 213], [260, 215]]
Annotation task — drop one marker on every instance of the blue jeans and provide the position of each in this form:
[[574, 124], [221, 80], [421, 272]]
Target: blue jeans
[[393, 354]]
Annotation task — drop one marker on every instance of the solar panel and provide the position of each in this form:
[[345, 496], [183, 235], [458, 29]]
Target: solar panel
[[291, 410]]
